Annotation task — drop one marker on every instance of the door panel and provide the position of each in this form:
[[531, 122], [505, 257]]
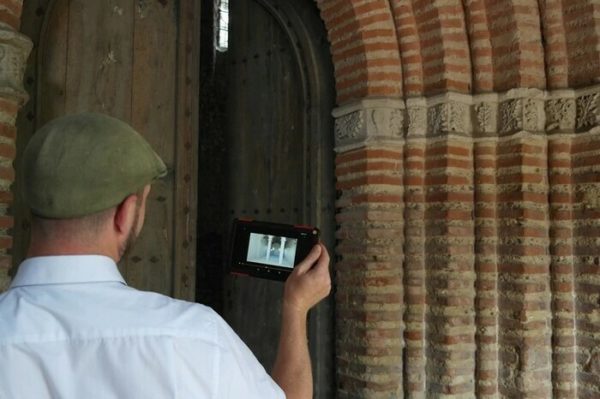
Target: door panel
[[100, 54], [266, 129], [120, 58], [266, 158]]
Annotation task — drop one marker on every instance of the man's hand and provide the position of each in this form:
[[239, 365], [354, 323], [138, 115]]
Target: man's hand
[[305, 287], [310, 281]]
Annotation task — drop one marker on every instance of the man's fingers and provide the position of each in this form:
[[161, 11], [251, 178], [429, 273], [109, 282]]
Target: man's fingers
[[322, 270], [310, 259], [310, 281], [324, 259]]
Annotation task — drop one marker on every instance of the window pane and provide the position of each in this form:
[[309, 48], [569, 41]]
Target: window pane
[[222, 30]]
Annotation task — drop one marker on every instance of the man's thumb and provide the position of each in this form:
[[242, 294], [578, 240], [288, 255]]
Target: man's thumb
[[310, 260]]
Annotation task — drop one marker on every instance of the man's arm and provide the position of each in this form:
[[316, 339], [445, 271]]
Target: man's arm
[[308, 284]]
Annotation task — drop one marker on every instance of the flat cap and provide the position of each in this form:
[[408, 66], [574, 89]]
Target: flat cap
[[81, 164]]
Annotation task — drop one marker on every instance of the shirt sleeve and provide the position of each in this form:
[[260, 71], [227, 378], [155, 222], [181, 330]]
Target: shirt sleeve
[[239, 370]]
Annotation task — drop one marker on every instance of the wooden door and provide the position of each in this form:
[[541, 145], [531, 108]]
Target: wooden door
[[137, 61], [266, 152]]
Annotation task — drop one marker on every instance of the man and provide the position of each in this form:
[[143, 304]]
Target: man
[[69, 325]]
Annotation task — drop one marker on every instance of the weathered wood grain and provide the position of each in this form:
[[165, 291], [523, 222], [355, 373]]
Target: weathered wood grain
[[129, 60], [153, 115], [100, 57], [52, 50], [186, 163]]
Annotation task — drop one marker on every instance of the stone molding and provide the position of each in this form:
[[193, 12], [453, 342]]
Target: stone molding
[[493, 115], [14, 50], [368, 120]]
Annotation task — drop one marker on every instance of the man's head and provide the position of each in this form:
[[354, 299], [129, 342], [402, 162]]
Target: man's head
[[87, 177]]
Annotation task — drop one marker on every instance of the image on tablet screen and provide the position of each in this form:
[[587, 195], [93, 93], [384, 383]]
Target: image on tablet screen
[[272, 250]]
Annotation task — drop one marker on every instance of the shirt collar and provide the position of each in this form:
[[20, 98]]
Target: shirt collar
[[71, 269]]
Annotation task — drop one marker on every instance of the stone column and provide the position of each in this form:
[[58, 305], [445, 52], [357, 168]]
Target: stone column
[[14, 50], [370, 297], [469, 242]]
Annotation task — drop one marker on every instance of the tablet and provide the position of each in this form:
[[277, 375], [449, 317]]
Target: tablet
[[269, 250]]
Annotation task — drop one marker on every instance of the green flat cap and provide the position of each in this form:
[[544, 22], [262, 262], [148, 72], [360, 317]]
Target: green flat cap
[[81, 164]]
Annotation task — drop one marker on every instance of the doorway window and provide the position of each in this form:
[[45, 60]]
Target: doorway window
[[222, 25]]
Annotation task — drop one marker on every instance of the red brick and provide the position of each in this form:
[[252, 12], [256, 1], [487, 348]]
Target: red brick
[[6, 222], [14, 21], [7, 151]]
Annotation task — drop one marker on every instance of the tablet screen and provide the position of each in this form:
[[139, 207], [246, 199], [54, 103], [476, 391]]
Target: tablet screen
[[272, 250]]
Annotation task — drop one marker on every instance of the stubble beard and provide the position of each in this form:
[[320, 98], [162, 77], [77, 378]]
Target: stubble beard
[[131, 237]]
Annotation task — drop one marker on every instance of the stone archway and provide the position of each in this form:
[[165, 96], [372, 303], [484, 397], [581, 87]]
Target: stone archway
[[467, 148]]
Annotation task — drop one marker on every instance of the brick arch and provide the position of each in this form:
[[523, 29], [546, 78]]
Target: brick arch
[[505, 39], [434, 46], [478, 21], [571, 37], [407, 31], [364, 48], [516, 39], [407, 48]]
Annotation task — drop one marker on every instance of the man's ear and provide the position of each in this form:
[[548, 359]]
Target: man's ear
[[125, 216]]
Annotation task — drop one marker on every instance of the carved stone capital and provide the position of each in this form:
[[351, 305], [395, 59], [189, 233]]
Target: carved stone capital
[[521, 110], [14, 50], [587, 103], [417, 117], [367, 121], [561, 111], [449, 114], [485, 115], [479, 116]]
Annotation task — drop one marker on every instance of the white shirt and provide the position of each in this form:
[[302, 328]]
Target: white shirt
[[70, 328]]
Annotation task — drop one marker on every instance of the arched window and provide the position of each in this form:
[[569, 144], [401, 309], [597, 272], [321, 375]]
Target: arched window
[[222, 25]]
